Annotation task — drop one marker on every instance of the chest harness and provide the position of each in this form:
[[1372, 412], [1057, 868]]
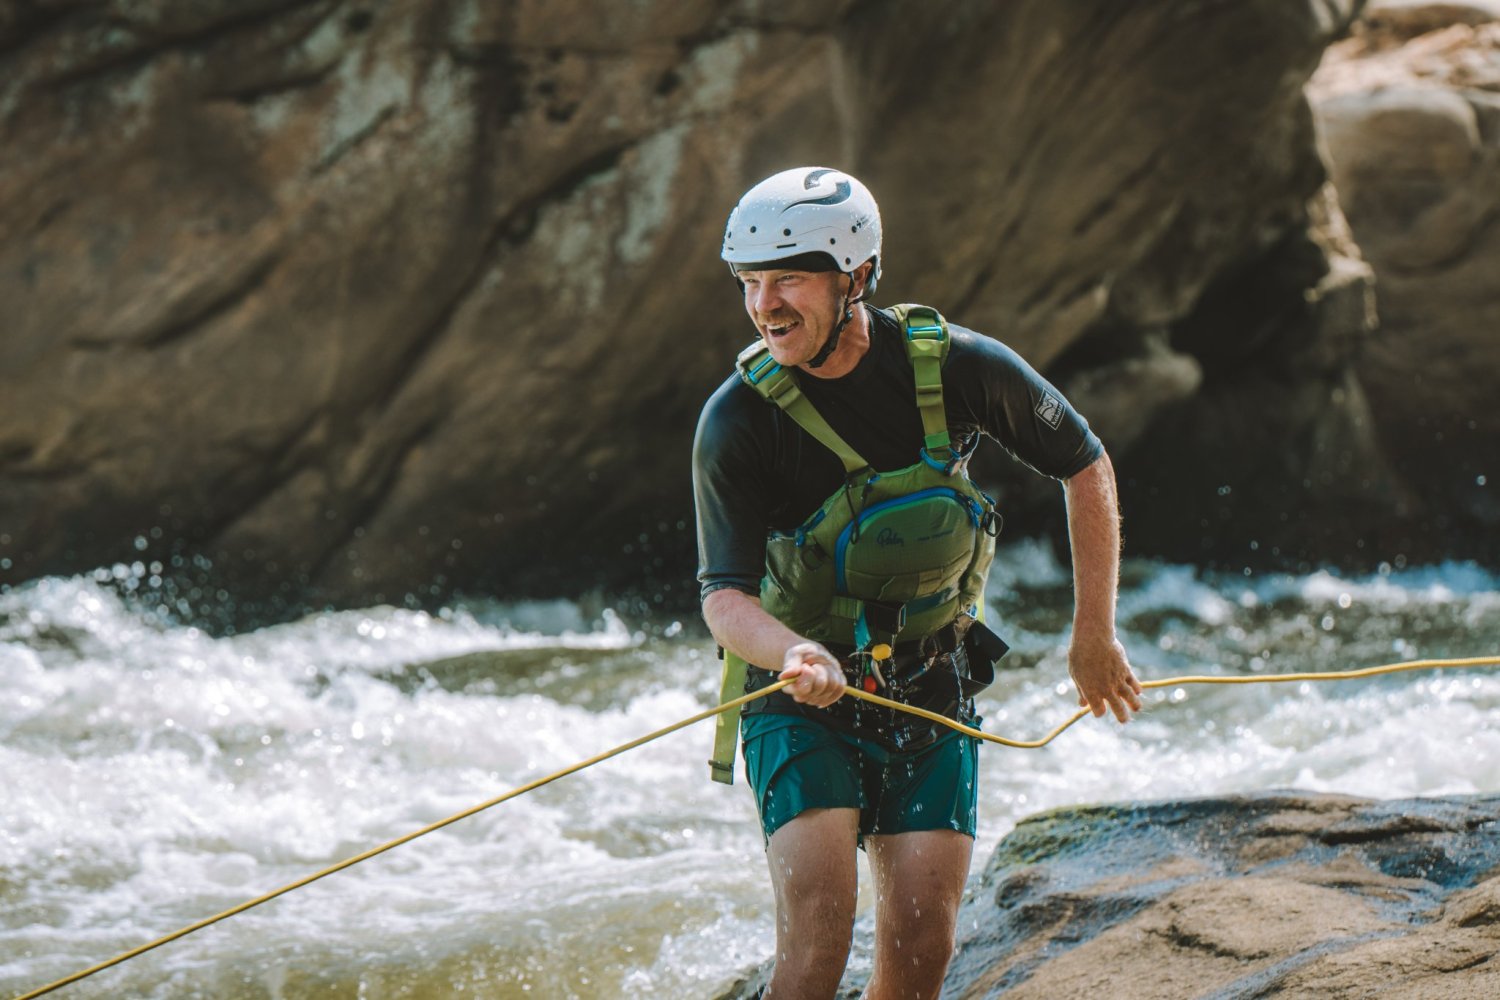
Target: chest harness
[[890, 557]]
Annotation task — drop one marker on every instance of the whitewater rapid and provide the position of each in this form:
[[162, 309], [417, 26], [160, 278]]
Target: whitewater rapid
[[154, 774]]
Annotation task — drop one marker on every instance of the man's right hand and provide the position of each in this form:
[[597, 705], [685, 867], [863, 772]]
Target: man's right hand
[[817, 678]]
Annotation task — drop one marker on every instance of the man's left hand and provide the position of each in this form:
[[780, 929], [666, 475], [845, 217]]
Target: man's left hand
[[1103, 676]]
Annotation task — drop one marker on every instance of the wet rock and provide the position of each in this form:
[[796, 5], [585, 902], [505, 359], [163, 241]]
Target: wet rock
[[1279, 894], [1276, 894]]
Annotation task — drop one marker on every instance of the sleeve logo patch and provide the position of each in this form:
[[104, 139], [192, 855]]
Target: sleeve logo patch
[[1050, 409]]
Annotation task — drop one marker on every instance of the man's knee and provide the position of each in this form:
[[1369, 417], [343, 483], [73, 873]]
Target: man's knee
[[920, 878], [821, 947], [816, 878], [812, 948]]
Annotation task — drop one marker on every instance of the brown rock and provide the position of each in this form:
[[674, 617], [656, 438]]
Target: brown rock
[[1443, 960], [369, 302], [1232, 918], [1276, 894], [1393, 22], [1201, 938], [1409, 112]]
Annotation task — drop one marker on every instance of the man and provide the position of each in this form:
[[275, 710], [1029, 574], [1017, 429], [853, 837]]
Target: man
[[838, 402]]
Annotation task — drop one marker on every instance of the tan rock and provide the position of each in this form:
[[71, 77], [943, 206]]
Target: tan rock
[[1409, 114], [1397, 21], [1183, 900], [1479, 907], [1203, 937], [1326, 914]]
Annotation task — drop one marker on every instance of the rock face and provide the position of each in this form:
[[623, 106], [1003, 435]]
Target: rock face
[[1279, 894], [1409, 112], [361, 300]]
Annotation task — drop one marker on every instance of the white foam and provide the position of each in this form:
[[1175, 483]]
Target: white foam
[[156, 774]]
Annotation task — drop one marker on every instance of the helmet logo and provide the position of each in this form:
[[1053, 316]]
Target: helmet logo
[[814, 176], [841, 192]]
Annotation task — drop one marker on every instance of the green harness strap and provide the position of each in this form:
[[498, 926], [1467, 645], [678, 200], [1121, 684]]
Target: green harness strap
[[926, 338], [775, 383], [927, 346]]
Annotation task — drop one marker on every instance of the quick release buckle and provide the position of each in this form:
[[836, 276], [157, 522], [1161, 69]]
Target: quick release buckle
[[946, 468], [762, 371]]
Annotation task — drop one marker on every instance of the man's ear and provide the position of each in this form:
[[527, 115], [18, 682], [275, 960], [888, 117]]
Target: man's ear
[[861, 278]]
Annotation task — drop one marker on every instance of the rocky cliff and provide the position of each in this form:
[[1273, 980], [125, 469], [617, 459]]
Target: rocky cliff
[[366, 299], [1281, 894], [1409, 112]]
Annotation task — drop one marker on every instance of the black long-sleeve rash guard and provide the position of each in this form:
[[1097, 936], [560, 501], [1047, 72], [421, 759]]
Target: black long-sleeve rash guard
[[755, 469]]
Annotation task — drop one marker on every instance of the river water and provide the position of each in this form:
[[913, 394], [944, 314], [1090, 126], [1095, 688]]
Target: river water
[[154, 775]]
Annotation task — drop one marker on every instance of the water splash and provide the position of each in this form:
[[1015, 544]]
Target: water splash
[[156, 774]]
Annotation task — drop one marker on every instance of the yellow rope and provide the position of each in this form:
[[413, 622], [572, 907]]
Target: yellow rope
[[1389, 668], [538, 783], [1337, 675]]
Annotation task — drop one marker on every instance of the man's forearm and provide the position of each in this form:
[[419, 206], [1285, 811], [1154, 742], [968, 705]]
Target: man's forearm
[[1096, 658], [1094, 532], [743, 627]]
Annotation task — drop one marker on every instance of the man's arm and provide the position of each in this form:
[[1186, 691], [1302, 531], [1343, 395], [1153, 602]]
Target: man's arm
[[1096, 658], [745, 629]]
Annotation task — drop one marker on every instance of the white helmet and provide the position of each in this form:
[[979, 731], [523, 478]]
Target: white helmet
[[807, 218]]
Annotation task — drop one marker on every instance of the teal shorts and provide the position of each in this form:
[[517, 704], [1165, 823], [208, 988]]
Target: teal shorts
[[794, 764]]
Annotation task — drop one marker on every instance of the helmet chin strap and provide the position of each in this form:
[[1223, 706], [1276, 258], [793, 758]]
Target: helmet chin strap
[[832, 343]]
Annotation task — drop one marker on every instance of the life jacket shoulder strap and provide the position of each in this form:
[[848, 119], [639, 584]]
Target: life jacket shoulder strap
[[761, 372], [925, 333]]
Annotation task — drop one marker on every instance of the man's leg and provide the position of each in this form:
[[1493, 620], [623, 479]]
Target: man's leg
[[815, 875], [919, 882]]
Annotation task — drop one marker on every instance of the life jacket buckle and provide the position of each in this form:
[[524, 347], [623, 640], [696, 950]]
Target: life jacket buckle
[[946, 468], [885, 617], [762, 371]]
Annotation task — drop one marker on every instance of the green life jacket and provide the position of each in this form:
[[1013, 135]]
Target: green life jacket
[[891, 556]]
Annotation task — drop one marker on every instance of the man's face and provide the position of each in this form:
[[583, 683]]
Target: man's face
[[794, 311]]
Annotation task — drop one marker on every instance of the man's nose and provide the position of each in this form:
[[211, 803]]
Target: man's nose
[[765, 298]]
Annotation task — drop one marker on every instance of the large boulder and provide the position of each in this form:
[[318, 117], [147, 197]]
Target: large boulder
[[1409, 112], [1278, 894], [367, 301]]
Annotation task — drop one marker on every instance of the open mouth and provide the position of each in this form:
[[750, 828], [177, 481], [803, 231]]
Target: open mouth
[[778, 330]]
